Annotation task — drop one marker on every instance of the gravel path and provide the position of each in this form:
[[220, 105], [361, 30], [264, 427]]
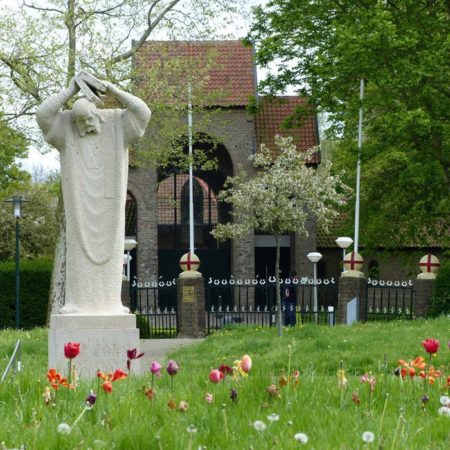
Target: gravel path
[[158, 349]]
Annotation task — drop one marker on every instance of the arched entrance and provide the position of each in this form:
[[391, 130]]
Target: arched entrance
[[173, 218]]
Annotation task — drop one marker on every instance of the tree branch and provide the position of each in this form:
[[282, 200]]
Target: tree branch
[[20, 76], [38, 8], [151, 26]]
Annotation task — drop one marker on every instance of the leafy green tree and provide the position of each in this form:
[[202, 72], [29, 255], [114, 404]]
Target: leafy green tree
[[279, 199], [13, 146], [440, 303], [39, 224], [400, 48]]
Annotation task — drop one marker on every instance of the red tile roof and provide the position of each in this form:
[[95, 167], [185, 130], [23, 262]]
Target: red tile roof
[[269, 122], [232, 72]]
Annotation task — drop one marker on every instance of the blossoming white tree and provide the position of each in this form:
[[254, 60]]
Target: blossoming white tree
[[279, 199]]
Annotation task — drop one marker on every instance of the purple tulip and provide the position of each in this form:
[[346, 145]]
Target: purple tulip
[[90, 399], [172, 368]]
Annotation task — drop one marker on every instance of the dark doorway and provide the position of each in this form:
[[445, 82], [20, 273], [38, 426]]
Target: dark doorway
[[265, 261], [173, 218]]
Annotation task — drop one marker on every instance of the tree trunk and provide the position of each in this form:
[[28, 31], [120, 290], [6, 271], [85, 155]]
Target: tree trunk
[[71, 30], [277, 285]]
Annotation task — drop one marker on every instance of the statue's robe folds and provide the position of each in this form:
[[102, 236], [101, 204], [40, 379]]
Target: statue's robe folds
[[94, 172]]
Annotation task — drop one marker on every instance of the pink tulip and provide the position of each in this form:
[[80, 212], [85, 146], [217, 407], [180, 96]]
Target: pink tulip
[[155, 368], [215, 376], [246, 363]]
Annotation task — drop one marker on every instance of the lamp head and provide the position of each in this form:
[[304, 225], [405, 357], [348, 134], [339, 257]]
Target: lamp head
[[17, 206], [314, 256], [130, 244], [344, 242]]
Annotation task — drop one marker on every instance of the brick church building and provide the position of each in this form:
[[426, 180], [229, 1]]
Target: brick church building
[[157, 202]]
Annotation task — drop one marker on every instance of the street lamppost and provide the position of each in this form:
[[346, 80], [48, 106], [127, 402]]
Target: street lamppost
[[344, 243], [17, 212], [130, 244], [315, 257]]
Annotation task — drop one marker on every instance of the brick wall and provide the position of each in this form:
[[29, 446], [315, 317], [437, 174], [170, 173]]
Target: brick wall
[[142, 184]]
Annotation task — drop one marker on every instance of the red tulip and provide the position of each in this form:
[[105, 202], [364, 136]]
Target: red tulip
[[132, 354], [107, 387], [71, 350], [215, 376], [226, 370], [430, 345]]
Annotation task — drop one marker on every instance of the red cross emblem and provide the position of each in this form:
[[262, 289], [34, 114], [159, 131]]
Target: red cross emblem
[[189, 261], [353, 262], [428, 264]]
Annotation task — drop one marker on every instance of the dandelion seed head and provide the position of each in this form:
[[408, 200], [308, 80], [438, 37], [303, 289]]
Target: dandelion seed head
[[191, 429], [273, 417], [259, 425], [63, 428], [445, 400], [444, 411], [301, 437], [368, 436]]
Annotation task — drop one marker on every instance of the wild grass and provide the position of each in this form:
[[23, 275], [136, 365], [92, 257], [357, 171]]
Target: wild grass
[[330, 416]]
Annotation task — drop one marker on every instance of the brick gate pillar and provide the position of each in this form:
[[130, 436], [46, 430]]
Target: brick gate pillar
[[351, 288], [423, 291], [191, 312]]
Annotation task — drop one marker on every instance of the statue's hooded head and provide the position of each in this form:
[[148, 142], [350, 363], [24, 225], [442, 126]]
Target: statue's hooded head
[[86, 117]]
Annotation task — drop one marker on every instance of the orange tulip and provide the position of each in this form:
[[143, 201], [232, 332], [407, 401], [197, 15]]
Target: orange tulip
[[108, 378], [56, 379]]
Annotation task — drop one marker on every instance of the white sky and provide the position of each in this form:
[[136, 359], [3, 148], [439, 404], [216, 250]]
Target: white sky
[[50, 160]]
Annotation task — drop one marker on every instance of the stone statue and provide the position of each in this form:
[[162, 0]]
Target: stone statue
[[93, 146]]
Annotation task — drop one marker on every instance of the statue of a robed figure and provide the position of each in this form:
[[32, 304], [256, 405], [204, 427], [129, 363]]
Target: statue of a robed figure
[[93, 146]]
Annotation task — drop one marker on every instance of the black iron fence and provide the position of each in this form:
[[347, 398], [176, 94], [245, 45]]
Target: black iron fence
[[390, 300], [218, 318], [155, 306], [253, 302]]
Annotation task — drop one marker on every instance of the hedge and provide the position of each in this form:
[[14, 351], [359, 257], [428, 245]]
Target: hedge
[[35, 276], [441, 292]]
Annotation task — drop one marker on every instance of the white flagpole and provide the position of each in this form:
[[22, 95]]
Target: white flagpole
[[191, 187], [358, 167]]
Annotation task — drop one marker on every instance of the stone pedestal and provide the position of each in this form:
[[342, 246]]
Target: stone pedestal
[[104, 341], [191, 313], [423, 293], [351, 288]]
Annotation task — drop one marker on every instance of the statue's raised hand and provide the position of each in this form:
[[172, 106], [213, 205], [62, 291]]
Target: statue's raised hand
[[73, 87]]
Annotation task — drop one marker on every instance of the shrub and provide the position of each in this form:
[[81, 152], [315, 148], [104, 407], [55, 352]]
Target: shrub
[[440, 303], [143, 325], [35, 276]]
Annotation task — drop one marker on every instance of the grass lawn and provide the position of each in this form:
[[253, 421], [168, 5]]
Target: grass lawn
[[332, 410]]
